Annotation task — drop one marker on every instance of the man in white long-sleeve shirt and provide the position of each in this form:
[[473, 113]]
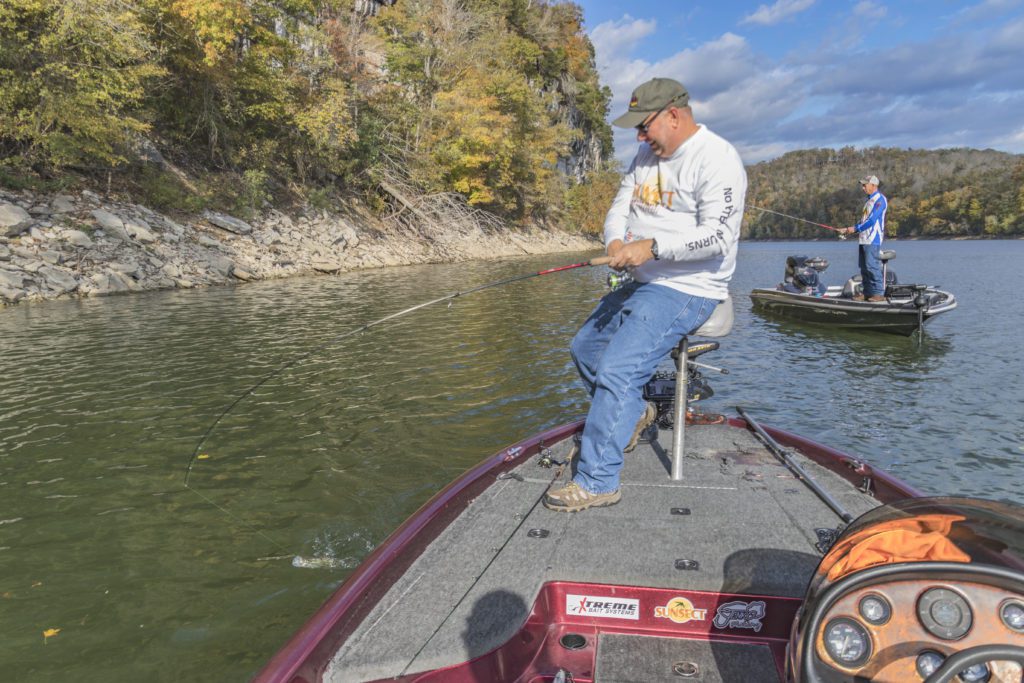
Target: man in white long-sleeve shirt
[[675, 223]]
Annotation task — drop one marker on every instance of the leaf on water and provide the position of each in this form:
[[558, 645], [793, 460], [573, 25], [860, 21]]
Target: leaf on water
[[203, 456], [50, 633]]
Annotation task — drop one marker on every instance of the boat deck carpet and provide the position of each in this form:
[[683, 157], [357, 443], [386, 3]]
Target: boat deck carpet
[[751, 527], [628, 659]]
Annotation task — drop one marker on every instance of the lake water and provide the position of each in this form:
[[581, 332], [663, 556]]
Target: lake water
[[103, 401]]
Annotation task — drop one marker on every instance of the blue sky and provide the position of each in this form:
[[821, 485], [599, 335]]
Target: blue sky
[[794, 74]]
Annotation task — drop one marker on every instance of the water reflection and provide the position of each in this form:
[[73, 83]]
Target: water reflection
[[102, 402]]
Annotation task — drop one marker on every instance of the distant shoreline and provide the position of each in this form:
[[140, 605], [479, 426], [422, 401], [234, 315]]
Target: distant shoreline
[[72, 246]]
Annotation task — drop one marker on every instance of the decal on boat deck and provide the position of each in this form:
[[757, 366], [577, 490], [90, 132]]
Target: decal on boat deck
[[739, 614], [681, 611], [592, 606]]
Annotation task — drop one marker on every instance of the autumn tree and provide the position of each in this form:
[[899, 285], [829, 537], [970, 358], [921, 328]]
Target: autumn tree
[[73, 77]]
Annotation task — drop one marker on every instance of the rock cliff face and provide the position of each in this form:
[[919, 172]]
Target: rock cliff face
[[83, 245]]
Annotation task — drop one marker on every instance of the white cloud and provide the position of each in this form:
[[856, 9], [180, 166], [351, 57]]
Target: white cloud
[[782, 9], [866, 9], [614, 38], [960, 87], [988, 9]]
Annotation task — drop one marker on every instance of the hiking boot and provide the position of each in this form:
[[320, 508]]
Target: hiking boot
[[572, 498], [876, 297], [646, 420], [858, 297]]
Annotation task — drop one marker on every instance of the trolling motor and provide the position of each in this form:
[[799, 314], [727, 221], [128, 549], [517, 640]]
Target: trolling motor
[[661, 389]]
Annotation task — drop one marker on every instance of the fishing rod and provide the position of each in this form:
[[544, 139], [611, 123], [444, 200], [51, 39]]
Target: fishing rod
[[794, 467], [597, 261], [841, 231]]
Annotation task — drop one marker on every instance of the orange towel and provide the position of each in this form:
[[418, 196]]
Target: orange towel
[[916, 539]]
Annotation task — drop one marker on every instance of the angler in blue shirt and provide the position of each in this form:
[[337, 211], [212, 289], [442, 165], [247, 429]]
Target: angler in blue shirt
[[872, 231]]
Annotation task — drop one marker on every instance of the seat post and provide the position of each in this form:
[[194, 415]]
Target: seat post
[[679, 425]]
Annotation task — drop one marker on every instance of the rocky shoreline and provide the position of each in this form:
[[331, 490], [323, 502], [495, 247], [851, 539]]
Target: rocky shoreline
[[84, 245]]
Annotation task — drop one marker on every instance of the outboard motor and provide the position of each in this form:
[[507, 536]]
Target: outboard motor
[[802, 275]]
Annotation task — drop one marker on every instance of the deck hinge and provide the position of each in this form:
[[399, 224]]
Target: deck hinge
[[865, 487]]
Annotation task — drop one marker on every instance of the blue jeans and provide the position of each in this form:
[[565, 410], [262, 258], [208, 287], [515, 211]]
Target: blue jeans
[[616, 352], [871, 269]]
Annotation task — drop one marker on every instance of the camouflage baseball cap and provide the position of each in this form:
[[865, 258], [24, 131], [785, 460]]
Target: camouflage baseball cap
[[869, 180], [654, 95]]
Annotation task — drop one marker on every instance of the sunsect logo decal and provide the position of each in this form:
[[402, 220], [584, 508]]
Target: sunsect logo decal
[[681, 611], [592, 606]]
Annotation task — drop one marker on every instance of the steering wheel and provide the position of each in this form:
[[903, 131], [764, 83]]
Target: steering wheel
[[975, 655]]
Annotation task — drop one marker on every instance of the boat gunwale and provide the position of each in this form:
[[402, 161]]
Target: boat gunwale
[[303, 657], [308, 653]]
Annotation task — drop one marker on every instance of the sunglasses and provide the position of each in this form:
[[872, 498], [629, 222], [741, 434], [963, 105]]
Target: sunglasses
[[642, 128]]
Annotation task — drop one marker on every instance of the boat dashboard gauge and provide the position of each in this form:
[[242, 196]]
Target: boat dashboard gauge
[[847, 642], [874, 609], [1011, 613], [904, 630], [944, 613]]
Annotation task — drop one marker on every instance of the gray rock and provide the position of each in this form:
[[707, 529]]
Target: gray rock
[[140, 230], [39, 210], [184, 283], [62, 204], [112, 225], [12, 214], [221, 265], [243, 275], [173, 227], [171, 270], [325, 266], [76, 238], [17, 228], [91, 196], [11, 296], [59, 279], [5, 253], [109, 282], [11, 279], [147, 153], [37, 234], [52, 256], [128, 269], [229, 223], [209, 241], [22, 252]]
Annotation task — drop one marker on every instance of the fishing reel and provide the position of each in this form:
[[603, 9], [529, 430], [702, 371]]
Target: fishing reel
[[617, 280]]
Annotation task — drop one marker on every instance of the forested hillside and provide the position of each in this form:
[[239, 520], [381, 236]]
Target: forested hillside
[[940, 193], [234, 104]]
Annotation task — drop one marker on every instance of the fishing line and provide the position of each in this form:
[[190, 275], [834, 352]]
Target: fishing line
[[802, 220], [598, 261]]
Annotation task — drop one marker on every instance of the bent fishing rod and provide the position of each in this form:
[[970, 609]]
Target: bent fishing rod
[[841, 231], [597, 261]]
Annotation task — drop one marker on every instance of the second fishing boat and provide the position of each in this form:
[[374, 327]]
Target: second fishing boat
[[802, 296]]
